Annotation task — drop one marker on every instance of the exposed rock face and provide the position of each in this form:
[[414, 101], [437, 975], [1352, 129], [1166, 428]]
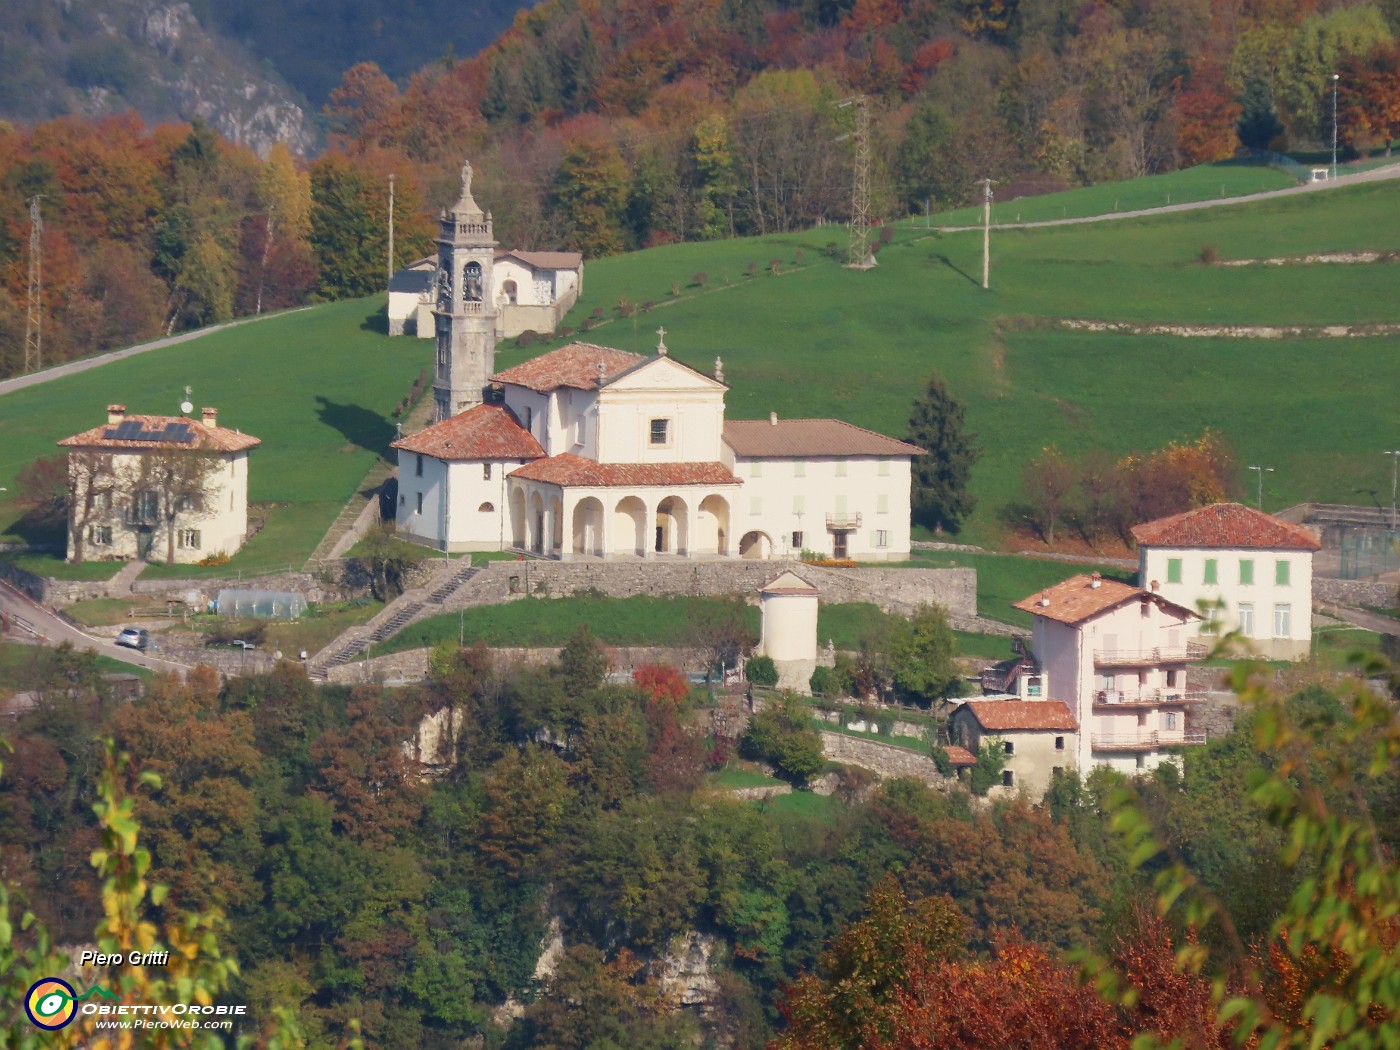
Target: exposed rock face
[[685, 971], [154, 56]]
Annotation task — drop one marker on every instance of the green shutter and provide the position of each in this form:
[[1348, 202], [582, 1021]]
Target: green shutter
[[1246, 571], [1173, 570], [1281, 573], [1210, 570]]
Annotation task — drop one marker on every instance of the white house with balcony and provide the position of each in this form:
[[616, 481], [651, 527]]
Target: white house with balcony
[[593, 452], [157, 487], [1117, 657], [1250, 572]]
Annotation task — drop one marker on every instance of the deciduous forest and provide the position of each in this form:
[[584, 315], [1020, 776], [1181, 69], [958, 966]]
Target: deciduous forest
[[362, 897]]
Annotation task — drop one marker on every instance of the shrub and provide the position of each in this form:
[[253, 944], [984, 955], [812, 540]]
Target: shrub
[[675, 289], [625, 307], [886, 234], [1210, 254], [586, 325], [760, 670], [566, 332], [798, 256], [724, 275], [700, 278], [526, 339], [832, 249], [751, 268], [648, 306], [775, 266], [598, 313]]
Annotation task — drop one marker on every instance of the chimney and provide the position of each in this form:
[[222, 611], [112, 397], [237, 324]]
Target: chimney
[[209, 416], [116, 413], [772, 419], [1155, 586], [1096, 581]]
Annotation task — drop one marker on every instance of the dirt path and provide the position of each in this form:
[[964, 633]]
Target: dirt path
[[1390, 171]]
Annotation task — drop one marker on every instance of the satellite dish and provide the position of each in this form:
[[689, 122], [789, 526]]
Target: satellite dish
[[186, 408]]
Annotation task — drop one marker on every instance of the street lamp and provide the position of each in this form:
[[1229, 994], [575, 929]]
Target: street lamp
[[1394, 463], [1261, 471], [1335, 77]]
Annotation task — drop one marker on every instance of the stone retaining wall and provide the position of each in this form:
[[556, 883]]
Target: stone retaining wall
[[412, 664], [761, 794], [893, 590], [1355, 592], [884, 760]]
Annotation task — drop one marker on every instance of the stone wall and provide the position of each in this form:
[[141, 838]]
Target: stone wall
[[1355, 592], [893, 590], [884, 760], [412, 664]]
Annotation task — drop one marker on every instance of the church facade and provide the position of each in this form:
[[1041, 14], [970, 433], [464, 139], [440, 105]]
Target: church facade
[[592, 452]]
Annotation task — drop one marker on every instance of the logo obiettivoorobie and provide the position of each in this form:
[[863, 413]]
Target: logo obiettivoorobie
[[51, 1002]]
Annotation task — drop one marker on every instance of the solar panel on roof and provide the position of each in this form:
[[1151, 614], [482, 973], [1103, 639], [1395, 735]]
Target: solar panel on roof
[[177, 432], [129, 430]]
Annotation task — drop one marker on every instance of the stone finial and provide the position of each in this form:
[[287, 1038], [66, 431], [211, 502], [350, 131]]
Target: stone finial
[[466, 207], [719, 370], [661, 342], [600, 373]]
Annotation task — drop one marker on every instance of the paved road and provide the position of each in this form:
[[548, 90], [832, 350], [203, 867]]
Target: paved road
[[54, 631], [1361, 618], [1390, 171], [73, 367]]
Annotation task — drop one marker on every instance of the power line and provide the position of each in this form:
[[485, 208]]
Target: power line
[[34, 319]]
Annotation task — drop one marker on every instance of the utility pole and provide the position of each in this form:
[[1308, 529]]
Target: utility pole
[[986, 232], [391, 230], [1261, 471], [858, 256], [34, 318], [1334, 78], [1394, 464]]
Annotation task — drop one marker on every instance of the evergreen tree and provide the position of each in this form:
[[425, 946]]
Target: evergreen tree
[[936, 424]]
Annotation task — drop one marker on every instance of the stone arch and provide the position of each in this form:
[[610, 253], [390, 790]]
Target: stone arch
[[711, 529], [536, 523], [486, 508], [556, 525], [588, 527], [629, 526], [672, 534], [519, 527], [755, 546], [509, 290]]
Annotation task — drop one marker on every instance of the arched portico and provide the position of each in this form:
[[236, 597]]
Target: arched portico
[[519, 527], [555, 526], [711, 529], [537, 523], [587, 528], [629, 526], [672, 529], [755, 546]]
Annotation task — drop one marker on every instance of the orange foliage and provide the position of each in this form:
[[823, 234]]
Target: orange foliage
[[661, 682], [1207, 112]]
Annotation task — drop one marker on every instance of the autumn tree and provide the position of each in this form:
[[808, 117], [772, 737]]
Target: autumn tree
[[590, 192], [178, 480], [1048, 480], [940, 475]]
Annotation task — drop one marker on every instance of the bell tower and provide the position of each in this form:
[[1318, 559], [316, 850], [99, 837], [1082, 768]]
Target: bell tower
[[464, 315]]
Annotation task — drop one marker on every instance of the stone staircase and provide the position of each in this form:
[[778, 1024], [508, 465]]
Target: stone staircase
[[412, 605], [367, 493]]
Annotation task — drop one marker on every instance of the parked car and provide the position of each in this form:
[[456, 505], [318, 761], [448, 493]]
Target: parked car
[[134, 638]]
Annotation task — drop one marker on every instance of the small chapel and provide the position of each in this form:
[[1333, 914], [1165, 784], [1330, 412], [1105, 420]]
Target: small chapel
[[588, 452]]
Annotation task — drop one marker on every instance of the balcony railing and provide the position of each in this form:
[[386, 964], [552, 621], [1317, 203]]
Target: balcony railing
[[1147, 697], [1148, 741], [843, 522], [1167, 654]]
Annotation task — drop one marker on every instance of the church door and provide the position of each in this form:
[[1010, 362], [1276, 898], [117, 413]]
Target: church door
[[838, 544]]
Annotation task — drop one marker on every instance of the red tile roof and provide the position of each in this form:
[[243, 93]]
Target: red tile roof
[[1225, 525], [788, 583], [575, 365], [810, 437], [1077, 599], [960, 756], [569, 469], [196, 435], [481, 432], [998, 715]]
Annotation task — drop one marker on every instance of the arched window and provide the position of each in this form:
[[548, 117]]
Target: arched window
[[486, 508], [509, 289]]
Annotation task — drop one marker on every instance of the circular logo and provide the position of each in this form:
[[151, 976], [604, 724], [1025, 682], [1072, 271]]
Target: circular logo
[[49, 1003]]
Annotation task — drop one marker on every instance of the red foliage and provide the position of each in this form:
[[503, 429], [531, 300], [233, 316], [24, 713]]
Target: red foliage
[[1206, 113], [661, 682]]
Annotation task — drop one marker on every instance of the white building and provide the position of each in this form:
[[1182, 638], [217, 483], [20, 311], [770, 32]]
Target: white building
[[596, 452], [1116, 656], [1037, 738], [588, 451], [788, 608], [532, 291], [1251, 571], [157, 486]]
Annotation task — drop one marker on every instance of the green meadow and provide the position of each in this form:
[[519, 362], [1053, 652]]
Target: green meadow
[[318, 386]]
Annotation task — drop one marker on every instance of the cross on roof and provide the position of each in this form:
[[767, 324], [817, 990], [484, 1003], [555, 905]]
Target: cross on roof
[[661, 343]]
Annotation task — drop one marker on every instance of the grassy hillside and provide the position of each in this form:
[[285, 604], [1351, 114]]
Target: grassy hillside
[[317, 387], [819, 340]]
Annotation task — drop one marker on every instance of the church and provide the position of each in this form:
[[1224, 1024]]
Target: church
[[588, 452]]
